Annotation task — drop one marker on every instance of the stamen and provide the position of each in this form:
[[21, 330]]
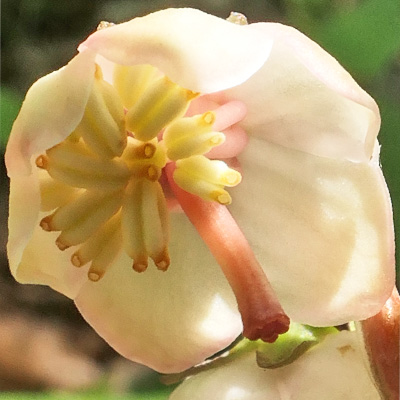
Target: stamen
[[42, 162], [102, 241], [192, 136], [45, 224], [206, 178], [73, 164], [94, 276], [103, 123], [159, 105], [61, 245], [106, 255], [79, 219], [132, 81], [144, 223], [262, 315], [140, 266]]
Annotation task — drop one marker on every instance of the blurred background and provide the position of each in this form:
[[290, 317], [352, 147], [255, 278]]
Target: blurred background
[[46, 350]]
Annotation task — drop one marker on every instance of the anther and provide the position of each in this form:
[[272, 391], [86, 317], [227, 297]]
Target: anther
[[192, 136], [45, 223], [61, 245], [76, 261], [153, 173], [42, 162], [162, 265], [139, 267], [163, 261], [94, 276], [161, 103], [148, 150], [224, 199]]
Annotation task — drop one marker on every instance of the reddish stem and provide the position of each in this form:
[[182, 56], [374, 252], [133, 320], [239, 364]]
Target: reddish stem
[[262, 315]]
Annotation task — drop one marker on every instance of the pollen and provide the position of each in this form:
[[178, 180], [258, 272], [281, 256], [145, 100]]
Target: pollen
[[103, 189]]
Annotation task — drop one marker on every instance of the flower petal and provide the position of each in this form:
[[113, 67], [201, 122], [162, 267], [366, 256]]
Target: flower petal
[[52, 109], [303, 99], [331, 370], [167, 320], [321, 229], [196, 50], [33, 255]]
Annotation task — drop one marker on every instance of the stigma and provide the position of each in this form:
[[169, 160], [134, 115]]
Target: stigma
[[102, 188]]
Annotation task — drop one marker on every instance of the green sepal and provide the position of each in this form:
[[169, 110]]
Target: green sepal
[[289, 346]]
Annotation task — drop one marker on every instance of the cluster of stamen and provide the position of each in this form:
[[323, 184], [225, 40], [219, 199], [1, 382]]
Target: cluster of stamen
[[102, 183]]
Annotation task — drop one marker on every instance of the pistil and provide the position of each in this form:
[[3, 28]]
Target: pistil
[[262, 315]]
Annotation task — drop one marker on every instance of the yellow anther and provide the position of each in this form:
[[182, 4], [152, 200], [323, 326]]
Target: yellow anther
[[73, 164], [101, 248], [160, 104], [103, 123], [223, 198], [206, 178], [191, 136], [79, 219], [148, 150], [144, 223], [132, 81], [208, 118]]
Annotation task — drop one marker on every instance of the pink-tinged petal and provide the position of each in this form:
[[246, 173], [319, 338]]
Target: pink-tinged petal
[[167, 320], [52, 109], [303, 99], [331, 370], [322, 230], [197, 50]]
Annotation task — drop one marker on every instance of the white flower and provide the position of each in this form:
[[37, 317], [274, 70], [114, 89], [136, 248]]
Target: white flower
[[312, 212]]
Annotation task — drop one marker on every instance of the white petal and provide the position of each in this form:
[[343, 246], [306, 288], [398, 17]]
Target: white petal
[[332, 370], [33, 255], [167, 320], [322, 230], [52, 109], [198, 51], [303, 99]]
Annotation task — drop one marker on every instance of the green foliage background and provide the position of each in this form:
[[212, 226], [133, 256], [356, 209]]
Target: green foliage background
[[364, 35]]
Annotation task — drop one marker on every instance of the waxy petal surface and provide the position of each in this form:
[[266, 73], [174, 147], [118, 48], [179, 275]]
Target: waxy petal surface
[[52, 108], [331, 370], [198, 51], [322, 230], [167, 320], [303, 99]]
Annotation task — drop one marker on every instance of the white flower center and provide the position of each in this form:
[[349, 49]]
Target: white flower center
[[102, 183]]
